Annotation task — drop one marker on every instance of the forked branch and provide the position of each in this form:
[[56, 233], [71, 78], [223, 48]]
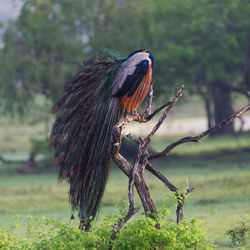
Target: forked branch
[[135, 171], [197, 138]]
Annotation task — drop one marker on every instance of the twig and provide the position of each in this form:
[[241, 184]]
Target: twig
[[145, 142], [149, 117], [161, 177], [149, 101], [164, 115], [132, 180], [197, 138], [122, 222], [181, 198], [132, 139]]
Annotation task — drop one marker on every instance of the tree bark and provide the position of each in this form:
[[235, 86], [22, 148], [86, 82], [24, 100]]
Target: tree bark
[[208, 107], [222, 107]]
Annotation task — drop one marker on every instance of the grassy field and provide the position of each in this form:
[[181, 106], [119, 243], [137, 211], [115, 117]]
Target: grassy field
[[218, 169]]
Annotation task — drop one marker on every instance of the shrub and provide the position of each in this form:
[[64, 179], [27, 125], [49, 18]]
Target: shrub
[[240, 232], [141, 233]]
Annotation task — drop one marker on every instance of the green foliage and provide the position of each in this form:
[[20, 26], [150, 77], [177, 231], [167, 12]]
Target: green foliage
[[42, 233], [41, 51], [195, 42], [240, 232]]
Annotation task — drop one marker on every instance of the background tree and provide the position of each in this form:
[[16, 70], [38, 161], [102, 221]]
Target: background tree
[[204, 44], [207, 47], [41, 49]]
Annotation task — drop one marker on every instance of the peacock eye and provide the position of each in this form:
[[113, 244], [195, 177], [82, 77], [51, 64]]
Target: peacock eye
[[144, 62]]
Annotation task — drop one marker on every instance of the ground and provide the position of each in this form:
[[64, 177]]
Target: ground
[[220, 177], [218, 169]]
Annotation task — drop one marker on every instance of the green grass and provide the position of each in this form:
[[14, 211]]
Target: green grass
[[220, 178], [218, 169]]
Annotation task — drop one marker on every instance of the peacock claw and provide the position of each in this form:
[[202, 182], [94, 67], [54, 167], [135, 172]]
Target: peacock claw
[[139, 117]]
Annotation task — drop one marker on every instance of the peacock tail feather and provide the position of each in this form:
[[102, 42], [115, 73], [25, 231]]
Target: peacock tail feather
[[86, 114]]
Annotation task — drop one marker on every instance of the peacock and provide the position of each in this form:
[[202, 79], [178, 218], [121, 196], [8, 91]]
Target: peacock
[[92, 102]]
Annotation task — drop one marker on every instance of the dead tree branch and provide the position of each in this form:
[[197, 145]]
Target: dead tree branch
[[197, 138], [165, 114], [135, 171]]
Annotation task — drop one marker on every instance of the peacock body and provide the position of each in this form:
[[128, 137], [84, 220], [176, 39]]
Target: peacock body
[[91, 104]]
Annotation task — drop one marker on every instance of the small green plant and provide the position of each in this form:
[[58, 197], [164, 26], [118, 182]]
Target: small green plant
[[240, 232], [141, 233]]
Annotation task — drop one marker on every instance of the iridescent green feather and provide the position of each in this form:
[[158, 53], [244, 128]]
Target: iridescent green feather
[[86, 114]]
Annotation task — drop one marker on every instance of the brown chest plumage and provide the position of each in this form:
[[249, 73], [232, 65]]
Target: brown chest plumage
[[131, 103]]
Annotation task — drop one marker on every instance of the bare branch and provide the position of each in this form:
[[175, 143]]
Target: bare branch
[[132, 180], [149, 117], [121, 223], [135, 178], [135, 171], [132, 139], [140, 184], [161, 177], [149, 101], [197, 138], [164, 115]]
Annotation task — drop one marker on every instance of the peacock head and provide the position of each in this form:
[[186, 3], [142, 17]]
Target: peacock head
[[144, 51]]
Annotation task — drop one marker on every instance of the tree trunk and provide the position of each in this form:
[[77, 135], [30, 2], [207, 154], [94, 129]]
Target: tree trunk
[[29, 167], [210, 120], [222, 107], [206, 97]]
